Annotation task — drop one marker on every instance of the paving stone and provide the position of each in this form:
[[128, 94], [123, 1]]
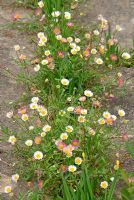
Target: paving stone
[[9, 89], [117, 11], [5, 181]]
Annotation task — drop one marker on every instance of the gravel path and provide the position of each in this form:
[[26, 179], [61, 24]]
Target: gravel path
[[117, 11], [9, 89]]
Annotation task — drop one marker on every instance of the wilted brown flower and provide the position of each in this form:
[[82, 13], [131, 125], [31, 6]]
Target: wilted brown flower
[[82, 98], [22, 57], [35, 61], [96, 104], [56, 31], [37, 140], [63, 168], [16, 16], [78, 110]]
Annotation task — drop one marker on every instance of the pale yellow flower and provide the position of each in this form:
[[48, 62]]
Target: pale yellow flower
[[69, 129], [40, 35], [118, 28], [114, 117], [84, 111], [24, 117], [65, 81], [12, 139], [17, 47], [77, 40], [126, 56], [15, 177], [78, 161], [58, 37], [43, 39], [121, 113], [87, 35], [93, 51], [35, 99], [41, 44], [72, 45], [77, 48], [81, 119], [63, 136], [73, 51], [70, 109], [29, 143], [106, 115], [9, 114], [88, 93], [37, 68], [99, 61], [72, 168], [67, 15], [44, 62], [104, 184], [40, 4], [33, 106], [43, 112], [38, 155], [69, 39], [7, 189], [47, 53], [43, 134], [56, 13], [46, 128], [96, 32], [40, 108], [101, 121], [91, 131]]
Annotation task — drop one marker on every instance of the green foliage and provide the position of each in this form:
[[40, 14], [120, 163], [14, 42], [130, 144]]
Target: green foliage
[[28, 3], [51, 5], [84, 189], [130, 149], [127, 191], [84, 70]]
